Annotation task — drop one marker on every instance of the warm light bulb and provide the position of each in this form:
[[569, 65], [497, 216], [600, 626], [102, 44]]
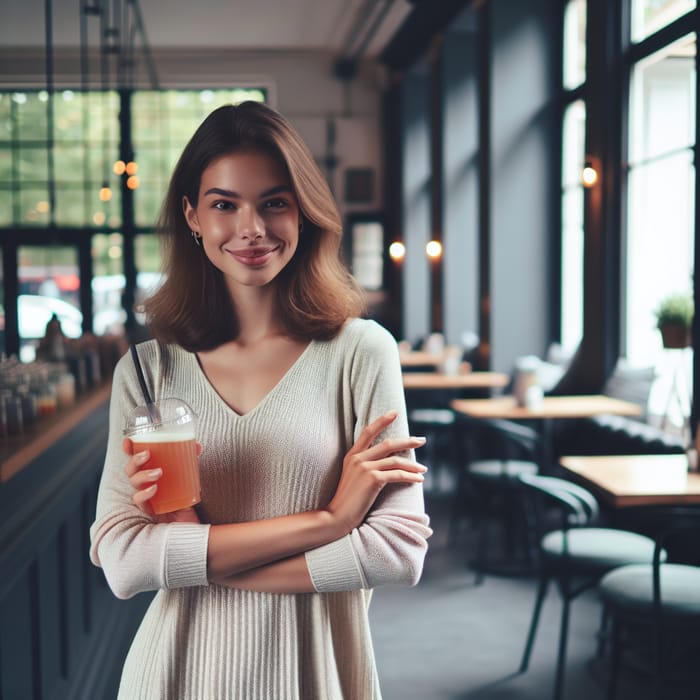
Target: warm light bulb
[[133, 182], [132, 168], [119, 167], [397, 251], [589, 175], [433, 249], [105, 194]]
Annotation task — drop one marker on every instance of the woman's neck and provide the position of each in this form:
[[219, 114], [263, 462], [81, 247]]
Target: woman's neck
[[257, 316]]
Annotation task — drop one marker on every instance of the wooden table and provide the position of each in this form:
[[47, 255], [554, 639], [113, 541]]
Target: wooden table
[[468, 380], [550, 407], [419, 358], [636, 480]]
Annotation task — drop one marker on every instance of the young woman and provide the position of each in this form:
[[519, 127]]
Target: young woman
[[311, 495]]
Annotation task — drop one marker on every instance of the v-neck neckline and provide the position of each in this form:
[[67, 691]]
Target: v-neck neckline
[[275, 388]]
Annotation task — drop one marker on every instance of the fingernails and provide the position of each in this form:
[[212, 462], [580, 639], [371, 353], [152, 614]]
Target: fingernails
[[151, 489], [419, 438], [141, 456], [154, 473], [391, 414]]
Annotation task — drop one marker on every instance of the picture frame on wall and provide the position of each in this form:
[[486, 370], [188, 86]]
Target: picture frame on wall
[[359, 185]]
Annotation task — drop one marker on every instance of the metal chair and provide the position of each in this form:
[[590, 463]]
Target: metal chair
[[492, 454], [574, 554], [662, 598]]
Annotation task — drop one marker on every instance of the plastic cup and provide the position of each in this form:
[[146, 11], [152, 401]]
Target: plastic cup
[[167, 430]]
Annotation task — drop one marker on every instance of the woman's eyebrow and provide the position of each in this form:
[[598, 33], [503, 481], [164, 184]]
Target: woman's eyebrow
[[234, 195]]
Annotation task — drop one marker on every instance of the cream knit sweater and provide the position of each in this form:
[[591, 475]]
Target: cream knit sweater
[[200, 641]]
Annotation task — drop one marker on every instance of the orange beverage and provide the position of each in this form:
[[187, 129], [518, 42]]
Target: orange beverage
[[175, 452]]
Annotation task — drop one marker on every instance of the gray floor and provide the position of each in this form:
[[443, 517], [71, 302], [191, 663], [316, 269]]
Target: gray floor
[[447, 639]]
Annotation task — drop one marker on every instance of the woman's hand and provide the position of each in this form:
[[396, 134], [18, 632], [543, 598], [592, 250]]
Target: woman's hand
[[368, 468], [145, 483]]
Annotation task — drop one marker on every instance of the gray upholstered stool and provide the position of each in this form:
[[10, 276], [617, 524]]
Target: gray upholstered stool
[[661, 597]]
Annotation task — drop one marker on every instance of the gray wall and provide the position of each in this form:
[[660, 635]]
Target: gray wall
[[522, 124], [461, 179], [416, 202]]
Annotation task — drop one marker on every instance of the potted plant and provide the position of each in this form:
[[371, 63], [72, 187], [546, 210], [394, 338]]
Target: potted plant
[[674, 317]]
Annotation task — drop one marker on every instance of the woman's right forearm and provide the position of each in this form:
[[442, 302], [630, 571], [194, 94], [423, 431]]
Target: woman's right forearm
[[237, 547]]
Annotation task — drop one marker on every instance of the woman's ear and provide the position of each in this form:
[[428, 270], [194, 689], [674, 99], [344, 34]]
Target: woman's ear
[[190, 214]]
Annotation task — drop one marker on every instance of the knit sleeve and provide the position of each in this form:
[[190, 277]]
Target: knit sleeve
[[390, 545], [136, 553]]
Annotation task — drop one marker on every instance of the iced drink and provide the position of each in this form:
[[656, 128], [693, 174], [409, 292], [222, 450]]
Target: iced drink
[[167, 430], [176, 454]]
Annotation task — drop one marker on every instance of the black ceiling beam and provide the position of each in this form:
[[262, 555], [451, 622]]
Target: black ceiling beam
[[414, 36]]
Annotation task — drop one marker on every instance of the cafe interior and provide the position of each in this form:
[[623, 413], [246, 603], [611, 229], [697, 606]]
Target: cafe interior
[[518, 190]]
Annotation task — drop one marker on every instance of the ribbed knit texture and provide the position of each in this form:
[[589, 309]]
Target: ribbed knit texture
[[208, 642]]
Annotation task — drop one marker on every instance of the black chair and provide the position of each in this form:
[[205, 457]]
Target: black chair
[[574, 553], [492, 454], [658, 603]]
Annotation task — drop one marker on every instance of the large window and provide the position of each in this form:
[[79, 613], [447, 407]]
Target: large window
[[649, 16], [573, 158], [68, 163], [660, 229], [572, 226], [48, 285], [574, 44]]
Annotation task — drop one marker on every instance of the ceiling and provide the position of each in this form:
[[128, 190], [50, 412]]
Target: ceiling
[[345, 27]]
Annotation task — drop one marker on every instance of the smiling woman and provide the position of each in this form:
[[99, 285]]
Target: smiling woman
[[311, 494]]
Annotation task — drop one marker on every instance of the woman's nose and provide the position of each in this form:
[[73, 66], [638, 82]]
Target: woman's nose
[[250, 223]]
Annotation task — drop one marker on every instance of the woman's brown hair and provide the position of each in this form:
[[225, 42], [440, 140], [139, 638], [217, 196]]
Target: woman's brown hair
[[316, 294]]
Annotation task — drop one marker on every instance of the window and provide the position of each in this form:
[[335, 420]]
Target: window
[[660, 219], [48, 284], [574, 44], [648, 16], [573, 157], [85, 144], [572, 226], [368, 253]]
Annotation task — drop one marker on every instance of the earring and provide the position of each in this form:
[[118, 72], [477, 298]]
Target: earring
[[196, 236], [301, 226]]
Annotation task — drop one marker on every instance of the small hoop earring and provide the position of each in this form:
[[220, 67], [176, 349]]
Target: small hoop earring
[[301, 226], [196, 237]]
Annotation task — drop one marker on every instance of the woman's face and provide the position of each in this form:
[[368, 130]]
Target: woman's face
[[248, 218]]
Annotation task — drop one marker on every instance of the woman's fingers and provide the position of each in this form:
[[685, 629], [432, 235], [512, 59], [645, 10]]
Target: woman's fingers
[[370, 432], [141, 498], [391, 446], [136, 462]]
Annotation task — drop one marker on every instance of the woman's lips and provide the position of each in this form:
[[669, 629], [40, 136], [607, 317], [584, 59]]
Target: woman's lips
[[252, 257]]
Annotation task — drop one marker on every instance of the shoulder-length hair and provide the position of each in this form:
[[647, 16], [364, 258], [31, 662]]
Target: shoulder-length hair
[[316, 293]]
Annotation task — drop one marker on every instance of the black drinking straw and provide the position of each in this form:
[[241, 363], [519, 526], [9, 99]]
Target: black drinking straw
[[152, 410]]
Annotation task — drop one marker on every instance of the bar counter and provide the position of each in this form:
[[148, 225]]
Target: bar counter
[[63, 633], [17, 451]]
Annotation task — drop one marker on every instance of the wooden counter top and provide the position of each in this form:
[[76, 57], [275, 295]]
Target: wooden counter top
[[16, 451]]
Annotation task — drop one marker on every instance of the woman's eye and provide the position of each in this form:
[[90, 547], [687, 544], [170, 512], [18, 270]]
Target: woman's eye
[[223, 206], [275, 204]]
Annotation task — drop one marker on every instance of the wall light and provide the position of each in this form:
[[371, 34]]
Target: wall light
[[589, 175], [397, 251], [433, 249]]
